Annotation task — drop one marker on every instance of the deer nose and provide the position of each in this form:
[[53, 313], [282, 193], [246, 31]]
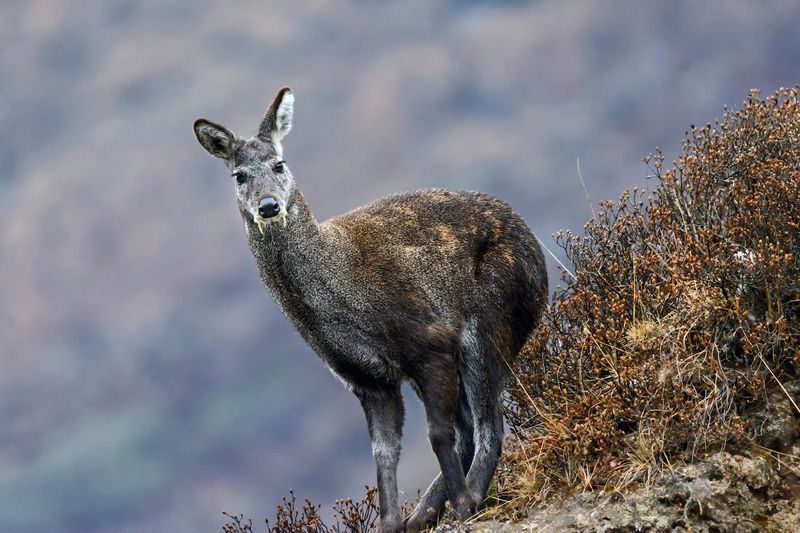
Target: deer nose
[[268, 207]]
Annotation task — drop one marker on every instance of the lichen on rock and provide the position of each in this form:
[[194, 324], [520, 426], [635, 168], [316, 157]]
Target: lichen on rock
[[723, 492]]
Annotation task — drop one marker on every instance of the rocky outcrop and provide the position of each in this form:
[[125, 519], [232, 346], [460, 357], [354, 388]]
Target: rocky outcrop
[[746, 491], [723, 492]]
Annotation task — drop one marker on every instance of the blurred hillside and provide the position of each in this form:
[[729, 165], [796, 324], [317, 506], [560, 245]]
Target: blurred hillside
[[146, 379]]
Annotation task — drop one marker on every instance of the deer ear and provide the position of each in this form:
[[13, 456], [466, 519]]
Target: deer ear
[[278, 120], [216, 139]]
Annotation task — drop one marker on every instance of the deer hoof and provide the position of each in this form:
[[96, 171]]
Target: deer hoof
[[465, 506], [421, 519]]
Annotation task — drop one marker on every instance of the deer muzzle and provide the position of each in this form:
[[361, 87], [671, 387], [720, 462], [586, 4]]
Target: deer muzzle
[[269, 210]]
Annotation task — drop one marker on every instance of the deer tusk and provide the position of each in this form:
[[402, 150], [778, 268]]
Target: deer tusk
[[260, 224], [283, 219]]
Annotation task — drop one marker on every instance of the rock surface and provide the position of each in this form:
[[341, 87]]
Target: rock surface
[[723, 492]]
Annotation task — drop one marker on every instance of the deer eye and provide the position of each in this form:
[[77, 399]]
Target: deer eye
[[240, 176], [279, 166]]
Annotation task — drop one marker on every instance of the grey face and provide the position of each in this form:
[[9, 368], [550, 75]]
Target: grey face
[[261, 178], [262, 181]]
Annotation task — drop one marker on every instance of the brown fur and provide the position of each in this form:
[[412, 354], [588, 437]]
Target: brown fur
[[438, 288]]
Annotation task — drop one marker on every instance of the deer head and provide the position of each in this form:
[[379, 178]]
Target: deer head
[[262, 180]]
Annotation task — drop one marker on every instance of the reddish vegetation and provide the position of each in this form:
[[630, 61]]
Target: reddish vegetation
[[681, 315]]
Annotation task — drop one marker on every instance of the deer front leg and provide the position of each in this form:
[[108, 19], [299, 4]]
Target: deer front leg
[[384, 411]]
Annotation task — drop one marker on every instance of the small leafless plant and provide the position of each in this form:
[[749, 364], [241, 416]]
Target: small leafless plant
[[350, 516]]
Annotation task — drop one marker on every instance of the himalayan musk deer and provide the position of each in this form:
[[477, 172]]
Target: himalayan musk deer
[[438, 288]]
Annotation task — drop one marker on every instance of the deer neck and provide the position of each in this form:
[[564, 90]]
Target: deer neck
[[291, 259]]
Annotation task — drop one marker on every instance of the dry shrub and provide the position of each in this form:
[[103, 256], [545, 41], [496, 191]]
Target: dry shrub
[[684, 310], [349, 516]]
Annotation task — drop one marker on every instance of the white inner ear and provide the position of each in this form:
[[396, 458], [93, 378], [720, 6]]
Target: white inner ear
[[219, 136], [211, 133], [283, 118]]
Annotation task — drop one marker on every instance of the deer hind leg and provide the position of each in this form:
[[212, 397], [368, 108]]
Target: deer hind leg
[[384, 411], [432, 502], [484, 378], [437, 385]]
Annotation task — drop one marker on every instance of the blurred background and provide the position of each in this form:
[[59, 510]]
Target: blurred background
[[147, 381]]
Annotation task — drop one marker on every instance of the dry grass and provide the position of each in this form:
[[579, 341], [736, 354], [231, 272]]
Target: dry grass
[[683, 312]]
